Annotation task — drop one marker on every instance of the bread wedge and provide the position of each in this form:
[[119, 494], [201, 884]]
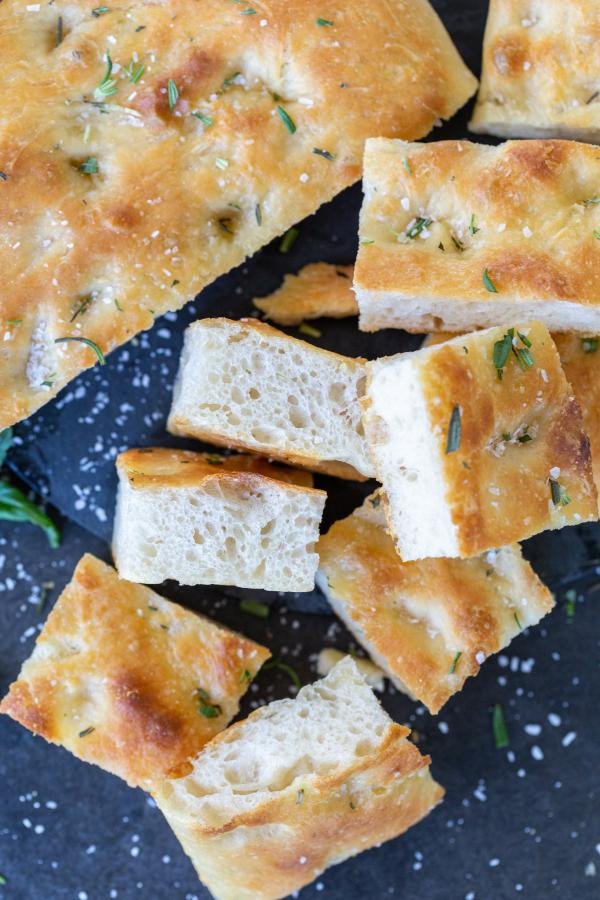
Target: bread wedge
[[540, 73], [129, 681], [478, 443], [298, 786], [149, 149], [209, 519], [456, 236], [429, 625], [246, 385], [319, 289], [580, 359]]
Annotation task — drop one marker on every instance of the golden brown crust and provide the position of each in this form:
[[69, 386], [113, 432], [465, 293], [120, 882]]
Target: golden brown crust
[[178, 200], [498, 490], [521, 211], [162, 467], [414, 618], [115, 674], [319, 289], [540, 70], [285, 844]]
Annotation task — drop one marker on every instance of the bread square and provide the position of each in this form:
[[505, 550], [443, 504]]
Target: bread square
[[429, 625], [319, 289], [127, 680], [456, 236], [149, 149], [210, 519], [540, 73], [298, 786], [245, 384], [478, 443]]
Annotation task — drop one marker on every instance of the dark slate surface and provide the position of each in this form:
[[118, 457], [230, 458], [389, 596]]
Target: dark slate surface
[[517, 822]]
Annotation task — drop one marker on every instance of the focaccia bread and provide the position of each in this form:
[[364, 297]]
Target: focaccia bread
[[298, 786], [429, 624], [478, 443], [456, 236], [580, 359], [247, 385], [208, 519], [541, 73], [146, 148], [127, 680], [319, 289]]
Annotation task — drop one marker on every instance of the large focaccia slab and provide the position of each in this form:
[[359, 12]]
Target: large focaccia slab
[[127, 680], [541, 74], [457, 236], [145, 149], [429, 624]]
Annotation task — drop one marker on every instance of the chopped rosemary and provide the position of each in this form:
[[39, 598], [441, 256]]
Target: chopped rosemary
[[589, 345], [16, 507], [558, 493], [258, 214], [82, 307], [206, 120], [118, 305], [86, 731], [324, 22], [375, 501], [108, 85], [455, 662], [415, 230], [324, 153], [597, 235], [454, 431], [59, 31], [99, 11], [592, 201], [570, 600], [299, 796], [3, 176], [245, 676], [502, 351], [286, 119], [227, 82], [366, 243], [473, 226], [2, 879], [501, 738], [225, 225], [6, 437], [133, 72], [248, 12], [14, 321], [254, 608], [489, 284], [205, 707], [407, 166], [303, 328], [284, 667], [172, 94], [288, 240], [89, 166], [214, 459], [221, 163], [518, 621], [83, 340]]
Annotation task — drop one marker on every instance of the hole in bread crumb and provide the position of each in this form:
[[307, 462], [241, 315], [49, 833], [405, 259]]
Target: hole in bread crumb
[[198, 538], [253, 394]]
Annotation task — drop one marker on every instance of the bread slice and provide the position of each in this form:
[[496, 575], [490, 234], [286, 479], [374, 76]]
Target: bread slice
[[126, 680], [319, 289], [164, 143], [246, 385], [540, 73], [473, 451], [580, 359], [429, 624], [298, 786], [214, 520], [456, 236]]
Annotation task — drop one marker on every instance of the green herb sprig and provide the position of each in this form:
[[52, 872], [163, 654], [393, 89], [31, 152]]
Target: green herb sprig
[[454, 431], [254, 608], [284, 667], [16, 507], [501, 738], [205, 707]]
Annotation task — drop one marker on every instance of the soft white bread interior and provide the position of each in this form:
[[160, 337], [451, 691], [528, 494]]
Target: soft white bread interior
[[298, 786], [473, 455], [197, 521], [428, 624], [246, 385]]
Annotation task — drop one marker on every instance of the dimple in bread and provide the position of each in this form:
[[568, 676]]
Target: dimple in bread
[[208, 519], [319, 289], [428, 624], [456, 236], [478, 443], [247, 385], [127, 680], [540, 73], [298, 786], [146, 150]]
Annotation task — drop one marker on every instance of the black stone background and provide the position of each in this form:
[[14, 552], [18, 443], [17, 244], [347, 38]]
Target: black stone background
[[522, 822]]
